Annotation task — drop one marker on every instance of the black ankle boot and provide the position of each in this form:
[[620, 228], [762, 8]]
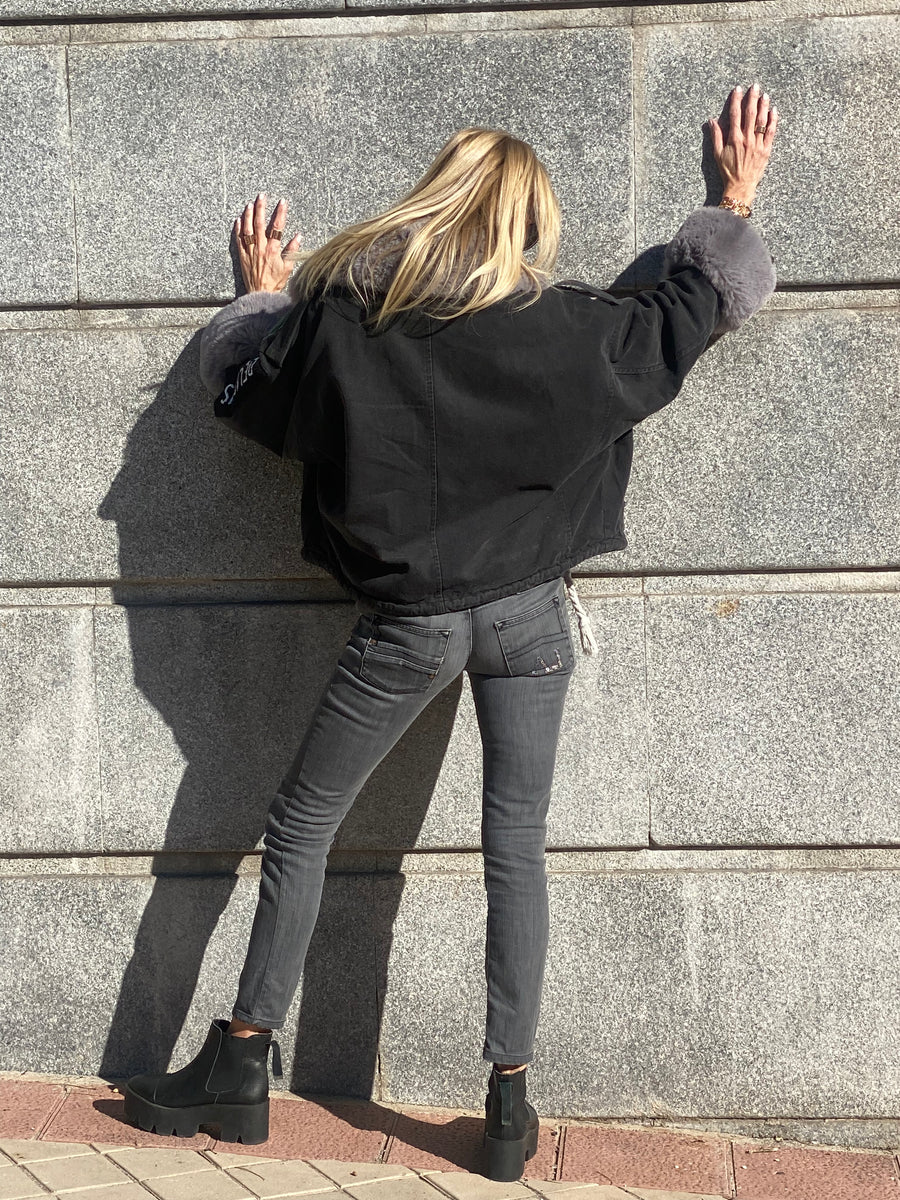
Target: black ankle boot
[[227, 1084], [510, 1126]]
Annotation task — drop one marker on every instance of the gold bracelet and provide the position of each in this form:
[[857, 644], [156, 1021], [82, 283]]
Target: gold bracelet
[[736, 206]]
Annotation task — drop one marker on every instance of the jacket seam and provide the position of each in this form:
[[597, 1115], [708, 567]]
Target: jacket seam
[[662, 363]]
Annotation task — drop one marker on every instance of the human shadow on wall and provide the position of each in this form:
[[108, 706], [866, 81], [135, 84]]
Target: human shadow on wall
[[235, 684]]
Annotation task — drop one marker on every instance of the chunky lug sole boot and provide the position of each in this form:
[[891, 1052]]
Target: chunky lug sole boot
[[227, 1084], [510, 1126]]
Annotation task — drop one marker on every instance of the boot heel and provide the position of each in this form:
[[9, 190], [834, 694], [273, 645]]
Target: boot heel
[[506, 1159], [247, 1123]]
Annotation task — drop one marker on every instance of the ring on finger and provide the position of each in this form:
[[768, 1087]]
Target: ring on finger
[[276, 234], [248, 239]]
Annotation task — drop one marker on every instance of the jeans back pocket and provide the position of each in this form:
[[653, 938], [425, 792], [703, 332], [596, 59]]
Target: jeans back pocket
[[402, 657], [537, 642]]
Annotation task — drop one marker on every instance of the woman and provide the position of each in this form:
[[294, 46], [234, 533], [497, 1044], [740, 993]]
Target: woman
[[466, 434]]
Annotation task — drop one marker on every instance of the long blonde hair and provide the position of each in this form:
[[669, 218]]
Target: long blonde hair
[[460, 235]]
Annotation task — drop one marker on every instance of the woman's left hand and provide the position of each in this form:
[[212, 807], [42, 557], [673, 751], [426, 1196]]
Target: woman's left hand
[[259, 246]]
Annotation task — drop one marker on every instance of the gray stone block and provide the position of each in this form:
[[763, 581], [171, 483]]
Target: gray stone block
[[665, 995], [770, 10], [780, 451], [359, 119], [795, 60], [49, 763], [202, 708], [562, 17], [112, 976], [333, 23], [37, 234], [81, 9], [680, 11], [29, 597], [139, 481], [32, 35], [772, 719], [828, 76], [774, 581]]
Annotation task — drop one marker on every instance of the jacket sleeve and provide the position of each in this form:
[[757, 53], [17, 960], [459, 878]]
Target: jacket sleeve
[[251, 396], [235, 333], [717, 272]]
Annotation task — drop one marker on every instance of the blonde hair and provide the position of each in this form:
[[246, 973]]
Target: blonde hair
[[461, 234]]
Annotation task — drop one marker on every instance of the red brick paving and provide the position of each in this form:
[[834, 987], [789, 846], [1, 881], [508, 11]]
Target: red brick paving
[[436, 1141], [452, 1141], [350, 1131], [97, 1114], [650, 1158], [447, 1140], [541, 1166], [26, 1105], [805, 1173]]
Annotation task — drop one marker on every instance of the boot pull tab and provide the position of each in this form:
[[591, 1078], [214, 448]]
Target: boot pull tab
[[276, 1060], [506, 1087]]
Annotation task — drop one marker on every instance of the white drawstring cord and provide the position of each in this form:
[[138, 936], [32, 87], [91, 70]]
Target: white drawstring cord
[[586, 633]]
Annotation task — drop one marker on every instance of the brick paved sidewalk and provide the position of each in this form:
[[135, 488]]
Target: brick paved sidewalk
[[68, 1139]]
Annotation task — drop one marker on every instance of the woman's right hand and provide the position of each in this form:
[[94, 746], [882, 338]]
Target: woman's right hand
[[742, 153]]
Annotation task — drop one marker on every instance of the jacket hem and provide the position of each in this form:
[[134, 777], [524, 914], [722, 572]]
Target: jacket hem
[[457, 599]]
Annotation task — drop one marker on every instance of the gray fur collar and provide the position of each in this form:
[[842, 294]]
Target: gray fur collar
[[393, 246]]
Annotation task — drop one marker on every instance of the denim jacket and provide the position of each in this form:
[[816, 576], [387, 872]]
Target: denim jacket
[[450, 463]]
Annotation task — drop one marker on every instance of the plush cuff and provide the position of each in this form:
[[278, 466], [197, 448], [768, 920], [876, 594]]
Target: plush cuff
[[732, 255], [235, 333]]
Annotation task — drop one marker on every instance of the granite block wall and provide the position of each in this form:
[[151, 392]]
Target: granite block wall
[[723, 834]]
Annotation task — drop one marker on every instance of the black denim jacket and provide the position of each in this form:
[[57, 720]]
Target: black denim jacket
[[447, 464]]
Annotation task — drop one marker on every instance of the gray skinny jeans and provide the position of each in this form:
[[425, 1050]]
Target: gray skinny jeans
[[519, 655]]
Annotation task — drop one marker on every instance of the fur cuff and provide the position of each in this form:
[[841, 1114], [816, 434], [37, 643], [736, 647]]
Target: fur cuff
[[732, 255], [235, 333]]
